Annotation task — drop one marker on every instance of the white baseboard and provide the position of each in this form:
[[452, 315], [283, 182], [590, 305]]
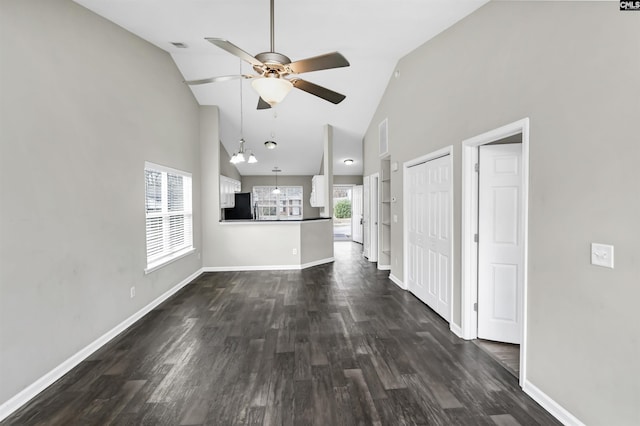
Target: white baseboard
[[250, 268], [317, 262], [397, 281], [266, 267], [555, 409], [456, 329], [49, 378], [384, 267]]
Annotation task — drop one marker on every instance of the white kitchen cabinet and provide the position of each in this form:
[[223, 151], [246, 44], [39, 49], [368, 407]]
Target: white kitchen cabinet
[[317, 191], [228, 187]]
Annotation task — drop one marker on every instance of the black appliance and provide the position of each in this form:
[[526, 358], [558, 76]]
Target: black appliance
[[242, 209]]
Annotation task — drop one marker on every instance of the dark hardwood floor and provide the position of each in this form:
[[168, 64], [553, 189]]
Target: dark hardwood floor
[[337, 344], [506, 354]]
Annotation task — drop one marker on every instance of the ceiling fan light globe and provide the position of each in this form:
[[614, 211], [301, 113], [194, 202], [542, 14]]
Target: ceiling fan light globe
[[271, 89], [270, 144]]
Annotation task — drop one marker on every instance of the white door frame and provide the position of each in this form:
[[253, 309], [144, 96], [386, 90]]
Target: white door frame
[[366, 215], [360, 219], [469, 293], [448, 150], [374, 184]]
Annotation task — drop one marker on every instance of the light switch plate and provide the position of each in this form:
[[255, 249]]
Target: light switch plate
[[602, 255]]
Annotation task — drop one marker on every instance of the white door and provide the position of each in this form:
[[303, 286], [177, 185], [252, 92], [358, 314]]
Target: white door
[[366, 217], [416, 203], [356, 214], [430, 243], [500, 247]]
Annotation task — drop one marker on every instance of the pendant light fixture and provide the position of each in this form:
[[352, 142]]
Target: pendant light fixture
[[276, 190], [271, 144], [238, 157]]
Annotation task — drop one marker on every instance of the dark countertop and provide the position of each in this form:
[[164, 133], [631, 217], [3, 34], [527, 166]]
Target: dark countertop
[[309, 219]]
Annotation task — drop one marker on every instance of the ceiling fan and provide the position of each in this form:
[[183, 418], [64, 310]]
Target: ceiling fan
[[273, 68]]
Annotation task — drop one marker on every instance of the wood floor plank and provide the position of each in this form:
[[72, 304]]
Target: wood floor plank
[[336, 344], [360, 389]]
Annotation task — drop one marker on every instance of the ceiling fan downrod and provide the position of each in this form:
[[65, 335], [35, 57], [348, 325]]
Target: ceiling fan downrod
[[273, 37]]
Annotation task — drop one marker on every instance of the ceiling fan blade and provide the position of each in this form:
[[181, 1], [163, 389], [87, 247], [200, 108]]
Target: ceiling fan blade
[[262, 104], [319, 91], [217, 79], [234, 50], [322, 62]]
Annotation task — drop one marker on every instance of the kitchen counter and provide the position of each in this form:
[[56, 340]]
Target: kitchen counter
[[245, 221], [274, 244]]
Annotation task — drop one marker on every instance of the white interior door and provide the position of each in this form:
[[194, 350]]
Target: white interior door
[[416, 203], [356, 214], [366, 217], [439, 244], [429, 231], [500, 246]]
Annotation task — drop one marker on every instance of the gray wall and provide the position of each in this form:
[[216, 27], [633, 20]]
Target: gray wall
[[84, 103], [316, 241], [572, 68], [248, 182], [347, 180], [226, 168]]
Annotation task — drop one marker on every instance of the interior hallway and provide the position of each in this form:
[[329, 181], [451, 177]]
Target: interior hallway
[[329, 345]]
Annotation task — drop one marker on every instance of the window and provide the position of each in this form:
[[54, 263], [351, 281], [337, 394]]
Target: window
[[168, 214], [287, 205]]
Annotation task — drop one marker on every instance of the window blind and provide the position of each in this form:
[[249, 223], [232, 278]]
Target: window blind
[[169, 218]]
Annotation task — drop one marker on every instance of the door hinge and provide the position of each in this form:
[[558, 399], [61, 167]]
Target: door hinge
[[475, 238], [476, 167], [475, 307]]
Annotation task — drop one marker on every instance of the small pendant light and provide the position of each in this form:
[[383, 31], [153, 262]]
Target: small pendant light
[[276, 190]]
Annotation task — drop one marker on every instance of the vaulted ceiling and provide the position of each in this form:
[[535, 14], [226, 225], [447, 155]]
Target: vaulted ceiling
[[372, 34]]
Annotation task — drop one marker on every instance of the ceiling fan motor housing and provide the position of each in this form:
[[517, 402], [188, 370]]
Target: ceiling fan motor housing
[[272, 61]]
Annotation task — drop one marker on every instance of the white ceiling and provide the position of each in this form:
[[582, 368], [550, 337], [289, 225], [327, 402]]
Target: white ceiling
[[372, 34]]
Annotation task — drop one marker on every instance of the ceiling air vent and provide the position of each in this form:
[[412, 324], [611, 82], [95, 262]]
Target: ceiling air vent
[[179, 44]]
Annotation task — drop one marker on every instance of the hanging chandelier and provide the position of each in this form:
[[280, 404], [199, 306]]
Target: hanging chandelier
[[238, 157]]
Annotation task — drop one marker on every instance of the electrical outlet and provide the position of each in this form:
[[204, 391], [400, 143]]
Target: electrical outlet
[[602, 255], [132, 292], [294, 251]]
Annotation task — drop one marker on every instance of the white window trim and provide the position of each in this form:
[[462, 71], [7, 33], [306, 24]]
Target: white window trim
[[172, 257], [168, 259]]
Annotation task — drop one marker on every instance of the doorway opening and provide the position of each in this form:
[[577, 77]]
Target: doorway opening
[[342, 212], [495, 175]]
